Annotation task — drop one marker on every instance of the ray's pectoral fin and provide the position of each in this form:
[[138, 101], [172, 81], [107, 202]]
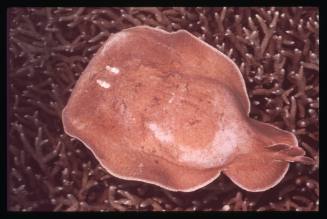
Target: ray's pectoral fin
[[256, 172], [266, 163]]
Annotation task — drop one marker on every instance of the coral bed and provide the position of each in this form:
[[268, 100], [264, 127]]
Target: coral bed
[[277, 50]]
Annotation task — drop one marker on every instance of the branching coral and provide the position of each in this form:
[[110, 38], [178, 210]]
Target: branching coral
[[277, 50]]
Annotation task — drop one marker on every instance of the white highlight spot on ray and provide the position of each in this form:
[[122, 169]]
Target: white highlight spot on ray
[[172, 98], [103, 84], [141, 165], [160, 134], [113, 70]]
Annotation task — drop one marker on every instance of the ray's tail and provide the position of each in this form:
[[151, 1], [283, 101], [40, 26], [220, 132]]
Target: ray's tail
[[290, 154], [266, 164]]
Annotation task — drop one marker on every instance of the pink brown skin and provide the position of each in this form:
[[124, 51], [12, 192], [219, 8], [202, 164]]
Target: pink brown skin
[[168, 109]]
